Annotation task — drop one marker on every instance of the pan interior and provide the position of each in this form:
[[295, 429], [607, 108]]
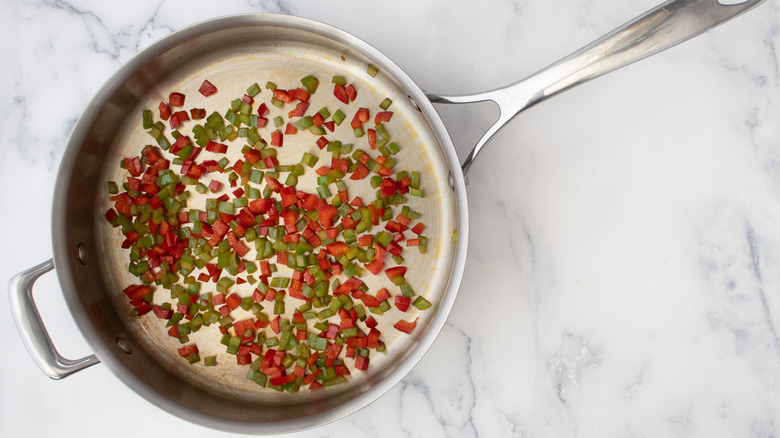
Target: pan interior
[[233, 55]]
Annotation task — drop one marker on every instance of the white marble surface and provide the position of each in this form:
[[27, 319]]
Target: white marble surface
[[623, 275]]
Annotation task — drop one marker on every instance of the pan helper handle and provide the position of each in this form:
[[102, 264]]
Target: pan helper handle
[[34, 335], [664, 26]]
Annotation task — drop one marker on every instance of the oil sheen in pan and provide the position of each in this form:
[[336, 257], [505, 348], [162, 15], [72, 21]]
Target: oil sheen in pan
[[232, 71]]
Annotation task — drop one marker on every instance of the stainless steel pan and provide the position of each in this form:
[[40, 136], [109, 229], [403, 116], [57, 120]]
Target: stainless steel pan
[[87, 260]]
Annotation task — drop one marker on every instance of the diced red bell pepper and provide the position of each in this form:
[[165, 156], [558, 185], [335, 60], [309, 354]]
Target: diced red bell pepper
[[165, 111], [134, 166], [355, 123], [197, 113], [277, 139], [211, 166], [332, 351], [162, 313], [217, 148], [405, 326], [394, 227], [299, 94], [290, 216], [384, 171], [258, 206], [140, 305], [271, 161], [225, 217], [337, 249], [274, 184], [351, 92], [282, 95], [137, 291], [299, 110], [382, 116], [219, 229], [207, 88], [395, 249], [253, 156], [369, 300], [195, 171], [402, 303], [362, 114], [281, 380], [382, 294], [365, 240], [111, 214], [256, 349], [327, 213], [243, 358], [361, 363], [389, 187], [346, 323], [176, 99], [246, 217], [341, 93], [340, 164], [395, 272], [237, 245], [243, 326], [372, 340], [375, 266], [188, 350], [233, 301], [217, 299], [322, 142], [289, 197], [178, 118]]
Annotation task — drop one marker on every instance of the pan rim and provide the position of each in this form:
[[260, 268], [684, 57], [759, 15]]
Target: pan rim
[[65, 255]]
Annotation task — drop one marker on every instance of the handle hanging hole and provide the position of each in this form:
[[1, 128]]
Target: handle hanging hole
[[731, 2], [124, 345]]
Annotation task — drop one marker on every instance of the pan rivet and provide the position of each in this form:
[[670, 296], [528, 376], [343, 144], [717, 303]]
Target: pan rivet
[[81, 253], [414, 104], [124, 345]]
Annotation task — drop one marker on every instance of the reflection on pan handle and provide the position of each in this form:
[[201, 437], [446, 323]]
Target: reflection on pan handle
[[662, 27], [33, 332]]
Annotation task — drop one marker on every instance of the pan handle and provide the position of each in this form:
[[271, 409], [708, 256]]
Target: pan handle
[[662, 27], [34, 335]]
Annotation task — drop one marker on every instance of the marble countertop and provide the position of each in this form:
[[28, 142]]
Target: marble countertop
[[623, 274]]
